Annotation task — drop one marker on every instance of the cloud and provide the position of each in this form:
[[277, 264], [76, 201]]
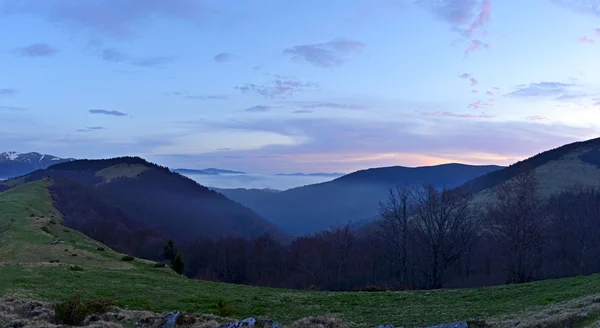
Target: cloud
[[541, 89], [91, 129], [112, 18], [36, 50], [107, 112], [259, 108], [330, 54], [478, 105], [303, 111], [281, 87], [591, 7], [223, 57], [474, 91], [476, 45], [322, 104], [116, 56], [536, 118], [465, 76], [489, 93], [211, 97], [597, 31], [585, 39], [496, 88], [453, 115], [467, 17], [8, 92], [474, 81], [12, 108]]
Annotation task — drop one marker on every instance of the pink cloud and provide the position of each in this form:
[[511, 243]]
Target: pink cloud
[[536, 118], [478, 105], [453, 115], [476, 45], [585, 39], [481, 18], [465, 76], [474, 91], [473, 81], [489, 93]]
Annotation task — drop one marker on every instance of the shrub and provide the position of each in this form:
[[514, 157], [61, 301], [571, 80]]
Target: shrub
[[100, 249], [73, 311], [224, 309], [51, 221], [159, 265], [74, 254], [372, 288], [75, 268], [178, 264], [127, 258], [45, 229], [66, 230], [54, 261]]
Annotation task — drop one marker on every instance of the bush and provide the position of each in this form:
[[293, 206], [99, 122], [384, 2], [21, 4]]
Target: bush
[[74, 254], [75, 268], [54, 261], [178, 264], [127, 258], [66, 230], [224, 309], [45, 229], [100, 249], [159, 265], [74, 311], [372, 288], [51, 221]]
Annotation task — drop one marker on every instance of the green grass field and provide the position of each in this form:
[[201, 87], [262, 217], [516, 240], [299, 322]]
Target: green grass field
[[25, 270]]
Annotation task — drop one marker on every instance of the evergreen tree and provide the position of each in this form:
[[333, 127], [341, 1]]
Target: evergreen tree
[[169, 251], [178, 264]]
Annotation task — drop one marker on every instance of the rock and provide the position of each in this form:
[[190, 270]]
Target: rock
[[385, 326], [248, 322], [170, 319], [55, 242], [451, 325], [583, 314], [268, 323]]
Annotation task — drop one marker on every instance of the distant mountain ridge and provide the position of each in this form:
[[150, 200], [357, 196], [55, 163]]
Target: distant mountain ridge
[[352, 197], [14, 164], [327, 175], [209, 171]]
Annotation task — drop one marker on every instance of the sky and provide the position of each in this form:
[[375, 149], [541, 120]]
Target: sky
[[271, 86]]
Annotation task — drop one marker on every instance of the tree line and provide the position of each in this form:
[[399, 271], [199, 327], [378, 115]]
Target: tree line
[[425, 238]]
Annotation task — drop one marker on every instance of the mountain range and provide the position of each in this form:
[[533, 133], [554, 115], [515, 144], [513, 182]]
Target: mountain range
[[353, 197], [209, 171], [13, 164]]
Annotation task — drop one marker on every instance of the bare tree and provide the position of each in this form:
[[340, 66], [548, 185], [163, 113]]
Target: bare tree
[[516, 222], [394, 229], [445, 223], [341, 238]]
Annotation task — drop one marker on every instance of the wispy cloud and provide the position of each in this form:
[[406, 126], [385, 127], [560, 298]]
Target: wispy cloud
[[324, 104], [223, 57], [536, 118], [211, 97], [541, 89], [591, 7], [330, 54], [113, 18], [303, 111], [489, 93], [8, 92], [478, 105], [597, 31], [107, 112], [474, 91], [467, 17], [35, 50], [465, 76], [116, 56], [281, 87], [453, 115], [585, 39], [11, 108], [91, 129], [474, 81], [258, 109]]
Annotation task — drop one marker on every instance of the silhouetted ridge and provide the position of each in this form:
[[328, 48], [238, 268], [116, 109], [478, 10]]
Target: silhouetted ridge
[[100, 164], [495, 178]]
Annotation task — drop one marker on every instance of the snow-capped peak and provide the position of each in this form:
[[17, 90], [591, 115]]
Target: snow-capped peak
[[11, 155]]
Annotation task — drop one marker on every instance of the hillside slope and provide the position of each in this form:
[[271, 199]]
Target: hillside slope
[[136, 205], [353, 197], [26, 252], [557, 170]]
